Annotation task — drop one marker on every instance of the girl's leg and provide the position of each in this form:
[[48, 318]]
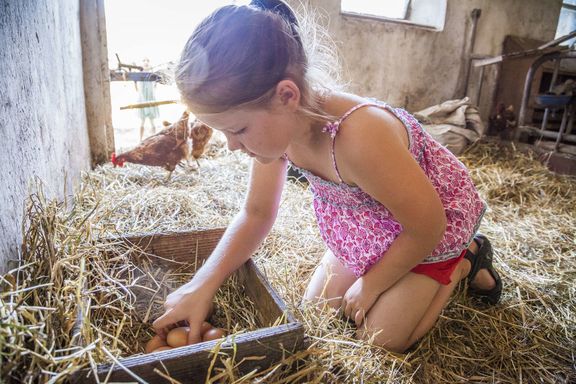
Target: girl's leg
[[400, 310], [407, 311], [329, 282]]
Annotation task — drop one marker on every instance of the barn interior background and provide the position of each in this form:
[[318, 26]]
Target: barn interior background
[[56, 119]]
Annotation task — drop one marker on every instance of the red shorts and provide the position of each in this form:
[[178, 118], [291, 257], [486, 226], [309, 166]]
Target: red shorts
[[441, 271]]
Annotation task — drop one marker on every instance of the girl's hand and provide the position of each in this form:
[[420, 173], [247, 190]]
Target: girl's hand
[[187, 303], [358, 300]]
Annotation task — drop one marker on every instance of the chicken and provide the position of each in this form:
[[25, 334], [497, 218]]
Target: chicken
[[503, 122], [200, 135], [170, 146]]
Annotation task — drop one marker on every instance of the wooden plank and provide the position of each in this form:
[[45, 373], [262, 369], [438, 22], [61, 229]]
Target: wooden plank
[[181, 246], [149, 104], [269, 304], [518, 55], [134, 76], [559, 40], [97, 97], [190, 363]]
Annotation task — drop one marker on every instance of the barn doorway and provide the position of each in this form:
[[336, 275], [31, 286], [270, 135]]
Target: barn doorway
[[145, 35]]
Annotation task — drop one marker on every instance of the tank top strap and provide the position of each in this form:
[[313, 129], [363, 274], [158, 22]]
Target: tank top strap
[[332, 129]]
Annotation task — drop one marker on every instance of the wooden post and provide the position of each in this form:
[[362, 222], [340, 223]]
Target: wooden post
[[96, 80]]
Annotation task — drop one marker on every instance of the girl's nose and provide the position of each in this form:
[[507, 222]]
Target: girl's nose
[[233, 144]]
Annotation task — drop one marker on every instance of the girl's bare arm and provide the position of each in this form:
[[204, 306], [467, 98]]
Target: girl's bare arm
[[248, 229], [374, 154]]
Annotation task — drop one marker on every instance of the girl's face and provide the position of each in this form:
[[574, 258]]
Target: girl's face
[[261, 133]]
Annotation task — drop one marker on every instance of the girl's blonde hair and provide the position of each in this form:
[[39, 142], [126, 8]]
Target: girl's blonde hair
[[238, 54]]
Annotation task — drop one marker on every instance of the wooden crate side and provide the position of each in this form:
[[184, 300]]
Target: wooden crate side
[[178, 246], [186, 246], [190, 364], [265, 298]]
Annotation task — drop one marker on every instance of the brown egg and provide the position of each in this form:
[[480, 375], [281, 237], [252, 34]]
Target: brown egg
[[213, 334], [178, 337], [205, 327], [163, 348], [155, 343]]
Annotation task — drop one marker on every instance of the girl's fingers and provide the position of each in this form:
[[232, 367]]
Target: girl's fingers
[[343, 306], [164, 321], [194, 335], [359, 317], [162, 332], [182, 323]]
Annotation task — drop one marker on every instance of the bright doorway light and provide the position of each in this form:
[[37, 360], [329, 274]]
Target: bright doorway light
[[158, 31], [394, 9]]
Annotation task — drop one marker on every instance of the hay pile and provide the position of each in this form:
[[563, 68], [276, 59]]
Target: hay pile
[[77, 301], [529, 337]]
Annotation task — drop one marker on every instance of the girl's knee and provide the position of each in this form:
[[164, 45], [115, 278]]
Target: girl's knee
[[318, 291], [320, 294], [320, 303], [328, 283], [388, 340]]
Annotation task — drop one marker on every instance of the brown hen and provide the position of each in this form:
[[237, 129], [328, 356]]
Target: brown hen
[[200, 135], [168, 147]]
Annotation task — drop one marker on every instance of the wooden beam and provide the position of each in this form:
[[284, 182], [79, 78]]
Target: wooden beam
[[559, 40], [96, 80], [148, 104], [518, 55], [134, 76]]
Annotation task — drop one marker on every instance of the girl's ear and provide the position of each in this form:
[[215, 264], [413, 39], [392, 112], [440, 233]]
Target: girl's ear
[[288, 94]]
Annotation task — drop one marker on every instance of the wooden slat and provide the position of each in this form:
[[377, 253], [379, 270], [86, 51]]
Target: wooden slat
[[134, 76], [148, 104], [178, 246], [269, 304], [190, 364], [518, 55]]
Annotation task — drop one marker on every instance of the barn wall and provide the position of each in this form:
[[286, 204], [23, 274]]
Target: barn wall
[[42, 114], [414, 67]]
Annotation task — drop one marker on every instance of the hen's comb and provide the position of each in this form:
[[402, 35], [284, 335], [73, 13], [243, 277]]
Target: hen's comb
[[114, 160]]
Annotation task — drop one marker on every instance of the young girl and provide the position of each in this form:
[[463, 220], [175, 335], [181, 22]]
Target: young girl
[[397, 211]]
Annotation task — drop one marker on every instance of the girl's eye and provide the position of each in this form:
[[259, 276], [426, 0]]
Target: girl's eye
[[240, 131]]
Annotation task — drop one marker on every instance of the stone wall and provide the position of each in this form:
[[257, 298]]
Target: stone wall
[[42, 111]]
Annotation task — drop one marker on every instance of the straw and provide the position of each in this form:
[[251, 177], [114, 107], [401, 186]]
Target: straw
[[116, 291]]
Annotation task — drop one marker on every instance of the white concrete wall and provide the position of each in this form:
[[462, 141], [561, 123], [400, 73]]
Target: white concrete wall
[[414, 67], [43, 130]]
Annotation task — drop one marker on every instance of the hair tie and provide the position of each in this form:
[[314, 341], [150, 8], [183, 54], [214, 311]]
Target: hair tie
[[281, 8]]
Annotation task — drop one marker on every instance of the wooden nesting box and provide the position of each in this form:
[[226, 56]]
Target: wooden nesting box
[[190, 364]]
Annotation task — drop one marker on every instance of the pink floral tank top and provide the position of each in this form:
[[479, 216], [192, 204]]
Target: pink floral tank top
[[359, 230]]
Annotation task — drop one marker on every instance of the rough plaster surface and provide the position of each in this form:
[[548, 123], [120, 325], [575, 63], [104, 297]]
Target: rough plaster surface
[[415, 67], [42, 115]]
